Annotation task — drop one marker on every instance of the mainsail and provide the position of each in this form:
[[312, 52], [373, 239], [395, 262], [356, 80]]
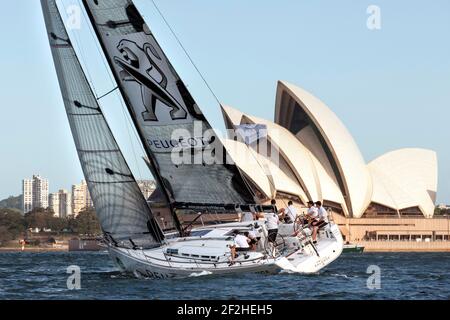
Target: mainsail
[[167, 118], [124, 214]]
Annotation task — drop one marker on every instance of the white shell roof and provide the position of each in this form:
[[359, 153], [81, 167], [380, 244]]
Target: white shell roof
[[329, 187], [247, 162], [399, 180], [233, 115], [265, 174], [309, 169], [410, 179], [346, 154], [298, 157], [381, 195]]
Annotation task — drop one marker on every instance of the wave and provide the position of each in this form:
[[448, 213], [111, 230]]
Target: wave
[[200, 274]]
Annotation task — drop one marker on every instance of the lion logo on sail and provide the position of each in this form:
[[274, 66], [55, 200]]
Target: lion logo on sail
[[139, 65]]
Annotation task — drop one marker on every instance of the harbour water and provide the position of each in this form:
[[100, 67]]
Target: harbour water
[[402, 276]]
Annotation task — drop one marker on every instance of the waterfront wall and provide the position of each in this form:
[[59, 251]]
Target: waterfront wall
[[384, 234], [405, 246]]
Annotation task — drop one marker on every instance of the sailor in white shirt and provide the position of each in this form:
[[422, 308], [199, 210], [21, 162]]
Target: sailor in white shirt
[[272, 221], [241, 214], [247, 217], [290, 213], [253, 239], [323, 214], [313, 215], [241, 243], [313, 212]]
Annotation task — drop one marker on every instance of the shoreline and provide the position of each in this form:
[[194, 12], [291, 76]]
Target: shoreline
[[33, 249], [404, 246], [366, 250]]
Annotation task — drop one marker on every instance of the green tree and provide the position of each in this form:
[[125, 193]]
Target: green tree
[[71, 223], [58, 224], [39, 218], [5, 235], [45, 218], [12, 225], [86, 223], [12, 203]]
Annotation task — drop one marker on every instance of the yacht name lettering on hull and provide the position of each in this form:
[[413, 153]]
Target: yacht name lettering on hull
[[153, 274]]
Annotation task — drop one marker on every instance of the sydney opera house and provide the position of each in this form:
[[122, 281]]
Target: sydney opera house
[[318, 159]]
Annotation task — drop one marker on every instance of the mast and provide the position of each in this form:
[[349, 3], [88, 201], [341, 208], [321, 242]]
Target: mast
[[159, 104], [123, 212]]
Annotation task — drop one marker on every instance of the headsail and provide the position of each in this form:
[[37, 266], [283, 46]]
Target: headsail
[[161, 106], [120, 206]]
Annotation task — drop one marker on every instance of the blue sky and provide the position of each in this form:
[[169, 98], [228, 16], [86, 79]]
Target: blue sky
[[390, 87]]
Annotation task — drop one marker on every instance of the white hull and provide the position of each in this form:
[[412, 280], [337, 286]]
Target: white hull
[[144, 267], [194, 256], [197, 256], [312, 258]]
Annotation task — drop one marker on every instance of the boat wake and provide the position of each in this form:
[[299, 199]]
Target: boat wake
[[340, 275], [292, 272], [200, 274]]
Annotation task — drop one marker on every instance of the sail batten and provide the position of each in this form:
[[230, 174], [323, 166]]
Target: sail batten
[[120, 206], [160, 105]]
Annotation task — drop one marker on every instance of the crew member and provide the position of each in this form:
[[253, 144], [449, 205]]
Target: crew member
[[247, 216], [290, 213], [313, 217], [272, 221], [241, 243], [253, 239], [323, 214]]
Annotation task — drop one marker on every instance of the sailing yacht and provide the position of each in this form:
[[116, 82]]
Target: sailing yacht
[[162, 238]]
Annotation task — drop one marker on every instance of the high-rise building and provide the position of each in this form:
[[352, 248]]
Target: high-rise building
[[61, 203], [35, 193], [81, 198], [40, 192], [147, 187], [27, 195], [53, 203]]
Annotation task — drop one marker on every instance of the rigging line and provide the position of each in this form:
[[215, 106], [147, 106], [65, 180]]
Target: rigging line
[[110, 91], [97, 45], [77, 39], [185, 51], [265, 168], [274, 188], [113, 82], [127, 125], [90, 80]]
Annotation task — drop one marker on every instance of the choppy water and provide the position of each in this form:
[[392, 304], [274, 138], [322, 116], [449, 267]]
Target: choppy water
[[403, 276]]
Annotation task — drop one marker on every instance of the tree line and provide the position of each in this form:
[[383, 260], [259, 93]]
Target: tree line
[[14, 225], [12, 203], [441, 211]]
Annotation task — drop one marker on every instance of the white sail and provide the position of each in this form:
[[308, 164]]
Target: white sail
[[120, 206]]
